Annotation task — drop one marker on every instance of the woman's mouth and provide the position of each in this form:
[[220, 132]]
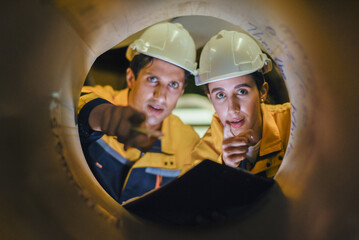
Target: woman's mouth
[[237, 123]]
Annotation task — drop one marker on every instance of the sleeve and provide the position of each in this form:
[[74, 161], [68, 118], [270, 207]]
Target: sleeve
[[282, 117], [90, 98], [83, 116], [90, 93]]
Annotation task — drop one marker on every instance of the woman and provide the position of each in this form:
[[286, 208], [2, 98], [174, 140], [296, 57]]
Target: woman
[[245, 132]]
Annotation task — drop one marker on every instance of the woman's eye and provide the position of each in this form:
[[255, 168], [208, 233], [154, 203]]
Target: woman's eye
[[174, 84], [152, 79], [220, 95], [242, 91]]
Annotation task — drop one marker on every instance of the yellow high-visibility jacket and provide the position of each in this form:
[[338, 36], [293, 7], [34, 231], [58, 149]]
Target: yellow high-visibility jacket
[[275, 136], [131, 173]]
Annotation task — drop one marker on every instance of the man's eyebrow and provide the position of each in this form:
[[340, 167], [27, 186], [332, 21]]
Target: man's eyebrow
[[149, 73], [216, 89], [180, 80], [152, 75]]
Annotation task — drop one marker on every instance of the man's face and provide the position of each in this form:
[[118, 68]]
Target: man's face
[[237, 103], [156, 90]]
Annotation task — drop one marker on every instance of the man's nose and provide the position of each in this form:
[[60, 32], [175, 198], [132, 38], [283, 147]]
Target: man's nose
[[160, 92]]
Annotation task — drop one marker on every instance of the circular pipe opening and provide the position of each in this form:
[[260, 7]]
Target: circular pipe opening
[[276, 39], [111, 67], [75, 34]]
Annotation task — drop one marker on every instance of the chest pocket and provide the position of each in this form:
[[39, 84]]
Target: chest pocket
[[269, 164], [108, 166]]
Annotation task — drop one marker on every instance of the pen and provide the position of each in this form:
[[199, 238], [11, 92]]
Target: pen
[[150, 132]]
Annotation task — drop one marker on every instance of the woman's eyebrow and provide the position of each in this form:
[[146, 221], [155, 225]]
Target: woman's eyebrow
[[237, 86], [242, 85]]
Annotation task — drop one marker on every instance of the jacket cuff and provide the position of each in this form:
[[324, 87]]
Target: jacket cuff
[[83, 118], [220, 160]]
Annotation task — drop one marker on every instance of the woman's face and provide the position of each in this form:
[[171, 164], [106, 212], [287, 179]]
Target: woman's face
[[237, 103]]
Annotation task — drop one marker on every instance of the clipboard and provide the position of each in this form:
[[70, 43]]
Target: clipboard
[[207, 193]]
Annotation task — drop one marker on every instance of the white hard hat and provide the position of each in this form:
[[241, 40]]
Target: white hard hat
[[230, 54], [169, 42]]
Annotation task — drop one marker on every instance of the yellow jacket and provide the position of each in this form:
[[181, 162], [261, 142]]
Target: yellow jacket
[[145, 171], [275, 136]]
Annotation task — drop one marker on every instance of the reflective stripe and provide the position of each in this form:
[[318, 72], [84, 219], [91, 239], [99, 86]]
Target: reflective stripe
[[114, 153], [163, 172]]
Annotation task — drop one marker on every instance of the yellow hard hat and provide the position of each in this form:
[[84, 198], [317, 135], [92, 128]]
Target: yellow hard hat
[[169, 42], [230, 54]]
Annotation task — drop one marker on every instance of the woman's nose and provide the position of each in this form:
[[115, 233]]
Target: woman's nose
[[233, 104]]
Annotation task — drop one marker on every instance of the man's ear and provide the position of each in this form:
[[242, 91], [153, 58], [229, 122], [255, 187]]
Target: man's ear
[[182, 92], [264, 91], [209, 97], [130, 78]]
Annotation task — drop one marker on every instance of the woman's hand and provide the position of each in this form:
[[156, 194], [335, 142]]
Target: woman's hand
[[235, 148]]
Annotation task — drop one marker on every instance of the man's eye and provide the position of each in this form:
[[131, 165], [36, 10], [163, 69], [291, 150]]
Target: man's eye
[[220, 95], [174, 84], [242, 91], [152, 79]]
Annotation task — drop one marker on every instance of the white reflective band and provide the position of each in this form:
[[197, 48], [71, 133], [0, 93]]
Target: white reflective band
[[163, 172], [114, 153]]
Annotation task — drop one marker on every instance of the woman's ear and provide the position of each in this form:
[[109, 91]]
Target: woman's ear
[[264, 91], [130, 78]]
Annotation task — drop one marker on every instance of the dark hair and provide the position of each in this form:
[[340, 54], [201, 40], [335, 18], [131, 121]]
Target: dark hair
[[139, 61], [257, 76], [259, 79]]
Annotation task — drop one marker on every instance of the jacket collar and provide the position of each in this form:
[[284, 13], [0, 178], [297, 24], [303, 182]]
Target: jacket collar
[[122, 98], [271, 141], [168, 128]]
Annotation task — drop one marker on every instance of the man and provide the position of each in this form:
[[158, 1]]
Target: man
[[121, 131], [245, 132]]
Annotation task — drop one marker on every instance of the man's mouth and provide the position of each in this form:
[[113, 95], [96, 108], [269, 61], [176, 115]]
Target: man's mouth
[[155, 109], [237, 123]]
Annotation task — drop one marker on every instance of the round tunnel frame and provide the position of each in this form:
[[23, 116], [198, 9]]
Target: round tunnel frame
[[52, 163]]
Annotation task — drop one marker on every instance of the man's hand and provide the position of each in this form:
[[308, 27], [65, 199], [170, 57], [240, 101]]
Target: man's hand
[[235, 148], [119, 121]]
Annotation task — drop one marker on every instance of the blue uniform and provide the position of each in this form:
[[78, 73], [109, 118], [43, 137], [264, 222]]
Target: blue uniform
[[131, 173]]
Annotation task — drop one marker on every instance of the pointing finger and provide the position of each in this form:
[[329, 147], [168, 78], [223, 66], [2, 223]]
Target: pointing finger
[[227, 133]]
